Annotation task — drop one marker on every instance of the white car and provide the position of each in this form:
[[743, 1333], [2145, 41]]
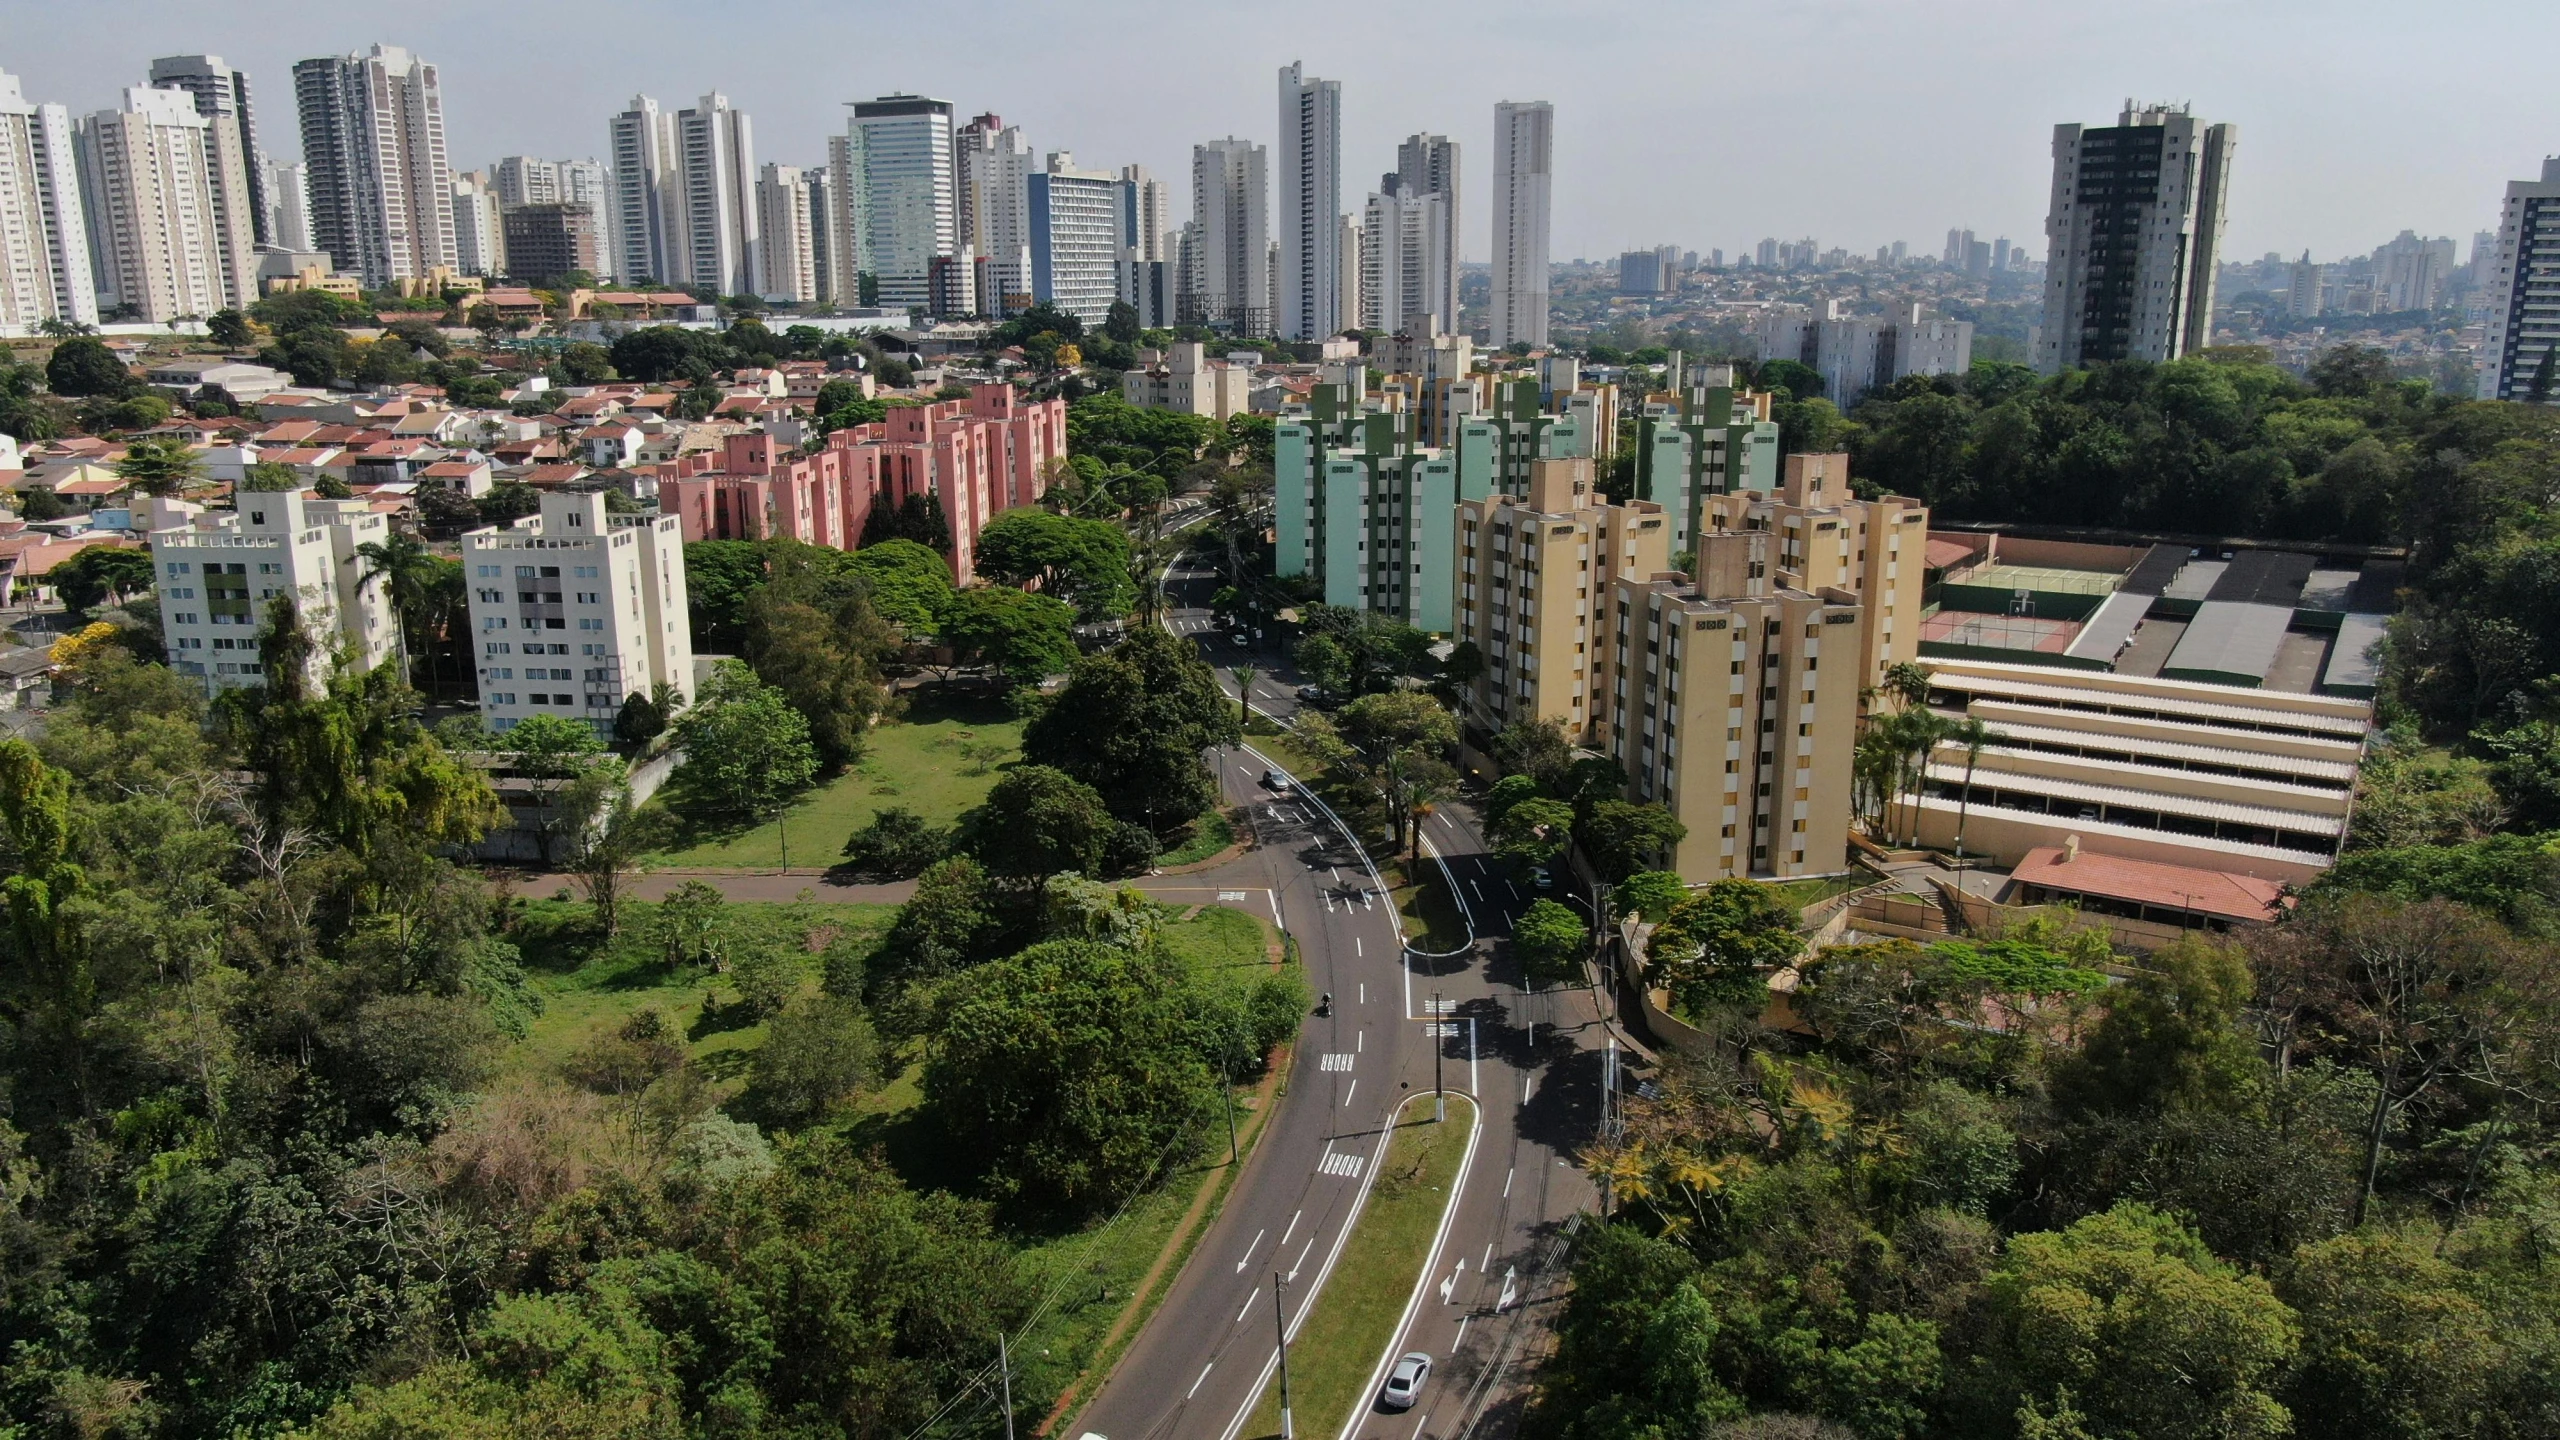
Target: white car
[[1405, 1382], [1275, 782]]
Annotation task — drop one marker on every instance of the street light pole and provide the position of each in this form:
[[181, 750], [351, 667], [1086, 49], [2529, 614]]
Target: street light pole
[[1280, 1322], [1439, 1096]]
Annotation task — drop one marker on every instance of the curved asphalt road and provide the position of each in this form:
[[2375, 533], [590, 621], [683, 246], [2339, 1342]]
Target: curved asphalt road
[[1199, 1368]]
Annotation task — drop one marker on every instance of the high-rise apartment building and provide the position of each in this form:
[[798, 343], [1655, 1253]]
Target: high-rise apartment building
[[1075, 238], [1146, 213], [647, 229], [1428, 165], [2132, 235], [1823, 538], [1715, 703], [1703, 440], [577, 610], [822, 215], [153, 172], [2411, 273], [1523, 192], [289, 193], [1228, 277], [2302, 291], [899, 190], [220, 576], [1406, 271], [716, 175], [783, 211], [525, 180], [45, 271], [1536, 591], [479, 226], [2518, 359], [381, 190], [221, 91], [551, 239], [993, 184], [1308, 209]]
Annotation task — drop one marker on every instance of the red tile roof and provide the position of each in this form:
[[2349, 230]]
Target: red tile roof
[[2151, 882], [1943, 553]]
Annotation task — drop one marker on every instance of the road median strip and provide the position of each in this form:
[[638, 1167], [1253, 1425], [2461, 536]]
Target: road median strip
[[1384, 1270]]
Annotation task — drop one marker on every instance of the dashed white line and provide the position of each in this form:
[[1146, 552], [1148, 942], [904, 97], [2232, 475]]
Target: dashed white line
[[1485, 1266], [1417, 1427], [1293, 1227], [1462, 1334], [1355, 946], [1204, 1374], [1347, 1094], [1506, 1181], [1248, 1303]]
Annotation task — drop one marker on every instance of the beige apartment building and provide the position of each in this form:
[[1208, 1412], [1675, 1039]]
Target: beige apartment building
[[1719, 708], [1535, 590], [1825, 538]]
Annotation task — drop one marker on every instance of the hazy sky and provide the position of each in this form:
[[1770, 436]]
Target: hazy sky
[[1705, 124]]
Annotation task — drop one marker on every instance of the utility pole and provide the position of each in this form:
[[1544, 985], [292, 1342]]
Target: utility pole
[[1439, 1096], [1280, 1322], [1233, 1154], [1004, 1363]]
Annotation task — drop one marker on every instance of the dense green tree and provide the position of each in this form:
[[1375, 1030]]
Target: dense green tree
[[1083, 562], [1532, 832], [1621, 837], [1024, 637], [1085, 1067], [1649, 893], [83, 366], [2173, 1037], [910, 585], [1132, 723], [159, 466], [2127, 1316], [1550, 942], [1041, 821], [2394, 1344], [1709, 952], [897, 844], [747, 749], [99, 574]]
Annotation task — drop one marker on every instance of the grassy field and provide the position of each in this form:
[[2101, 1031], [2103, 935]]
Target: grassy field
[[1330, 1361], [1211, 833], [939, 761], [1431, 919], [1796, 894], [589, 986]]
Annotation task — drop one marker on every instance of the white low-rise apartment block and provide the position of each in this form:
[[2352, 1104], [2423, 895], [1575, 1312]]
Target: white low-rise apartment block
[[576, 610], [220, 574]]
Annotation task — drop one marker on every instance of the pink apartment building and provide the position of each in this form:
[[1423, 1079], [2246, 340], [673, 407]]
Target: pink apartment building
[[979, 457]]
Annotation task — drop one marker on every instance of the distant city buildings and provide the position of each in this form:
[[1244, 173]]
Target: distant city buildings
[[2523, 338], [1076, 240], [896, 196], [168, 196], [715, 175], [1226, 266], [1308, 209], [44, 241], [1856, 354], [1523, 181], [2132, 234]]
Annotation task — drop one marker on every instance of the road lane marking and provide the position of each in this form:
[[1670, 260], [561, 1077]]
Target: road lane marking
[[1293, 1227], [1334, 1060], [1525, 1082], [1364, 992], [1248, 1249], [1204, 1374], [1506, 1181], [1476, 888], [1515, 890], [1302, 1258], [1417, 1426], [1472, 1087], [1485, 1266], [1347, 1094], [1462, 1334], [1355, 947], [1248, 1303], [1344, 1163], [1274, 897]]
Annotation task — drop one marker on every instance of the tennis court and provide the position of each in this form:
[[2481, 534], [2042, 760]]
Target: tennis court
[[2041, 577], [1999, 632]]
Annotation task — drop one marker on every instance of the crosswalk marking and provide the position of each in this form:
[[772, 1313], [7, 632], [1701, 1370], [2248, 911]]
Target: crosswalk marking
[[1337, 1060], [1441, 1006], [1340, 1162], [1441, 1027]]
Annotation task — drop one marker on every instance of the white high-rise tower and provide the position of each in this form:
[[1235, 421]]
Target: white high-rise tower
[[1523, 191], [1428, 165], [44, 227], [716, 166], [1228, 275], [641, 148], [1310, 205], [381, 189]]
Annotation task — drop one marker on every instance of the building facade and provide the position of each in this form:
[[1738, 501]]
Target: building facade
[[575, 610], [219, 91], [716, 175], [898, 183], [1190, 382], [553, 239], [1228, 278], [2132, 235], [162, 239], [789, 264], [1076, 240], [993, 179], [1308, 209], [1523, 192], [381, 189], [45, 269], [220, 576], [1822, 538], [1536, 590], [2518, 359], [479, 226], [640, 147]]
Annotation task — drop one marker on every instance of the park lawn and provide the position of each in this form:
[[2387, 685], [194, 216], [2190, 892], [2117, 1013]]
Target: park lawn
[[1796, 894], [1432, 922], [920, 762], [589, 988], [1333, 1353], [1220, 941]]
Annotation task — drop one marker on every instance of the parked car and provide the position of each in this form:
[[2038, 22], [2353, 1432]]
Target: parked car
[[1405, 1382], [1541, 878], [1311, 693]]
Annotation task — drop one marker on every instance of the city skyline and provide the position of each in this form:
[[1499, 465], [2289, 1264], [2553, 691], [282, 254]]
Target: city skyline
[[2325, 168]]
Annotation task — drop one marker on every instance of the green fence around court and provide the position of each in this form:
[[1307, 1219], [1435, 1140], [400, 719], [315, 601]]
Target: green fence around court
[[1996, 600]]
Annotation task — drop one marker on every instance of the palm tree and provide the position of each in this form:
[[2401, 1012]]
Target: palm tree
[[409, 574], [1907, 681], [1972, 734], [1916, 733], [162, 465]]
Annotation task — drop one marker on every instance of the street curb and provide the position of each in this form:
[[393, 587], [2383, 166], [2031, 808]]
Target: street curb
[[1421, 1282]]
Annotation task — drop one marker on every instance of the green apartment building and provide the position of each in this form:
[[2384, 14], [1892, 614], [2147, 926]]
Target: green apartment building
[[1373, 516], [1710, 443]]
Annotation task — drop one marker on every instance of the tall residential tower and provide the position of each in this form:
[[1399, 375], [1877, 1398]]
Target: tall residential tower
[[2524, 294], [1523, 180], [381, 189], [1309, 208], [2131, 237]]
